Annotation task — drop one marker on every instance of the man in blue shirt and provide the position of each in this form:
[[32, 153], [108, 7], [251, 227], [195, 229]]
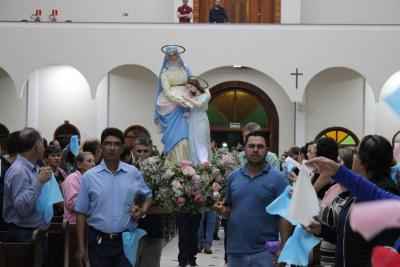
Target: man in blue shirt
[[217, 13], [248, 191], [106, 202], [22, 187]]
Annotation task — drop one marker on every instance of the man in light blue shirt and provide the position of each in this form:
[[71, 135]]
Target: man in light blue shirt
[[22, 187], [106, 202], [271, 157]]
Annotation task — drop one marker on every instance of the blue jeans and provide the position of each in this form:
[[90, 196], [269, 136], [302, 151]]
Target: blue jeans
[[207, 227], [260, 259], [107, 253]]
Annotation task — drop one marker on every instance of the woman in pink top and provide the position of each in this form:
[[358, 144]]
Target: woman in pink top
[[70, 187]]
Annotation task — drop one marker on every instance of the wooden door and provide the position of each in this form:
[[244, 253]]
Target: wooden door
[[241, 11]]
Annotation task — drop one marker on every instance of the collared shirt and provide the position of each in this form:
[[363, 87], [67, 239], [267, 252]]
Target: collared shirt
[[70, 189], [271, 158], [107, 198], [249, 225], [184, 10], [21, 190]]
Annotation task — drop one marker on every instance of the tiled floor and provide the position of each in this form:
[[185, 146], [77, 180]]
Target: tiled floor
[[169, 257]]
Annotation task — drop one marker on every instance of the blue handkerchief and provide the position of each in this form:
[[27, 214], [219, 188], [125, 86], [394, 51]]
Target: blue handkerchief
[[74, 145], [130, 240], [393, 100], [280, 206], [298, 247], [395, 170], [49, 195]]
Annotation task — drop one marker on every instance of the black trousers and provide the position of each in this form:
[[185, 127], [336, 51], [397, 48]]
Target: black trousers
[[188, 228]]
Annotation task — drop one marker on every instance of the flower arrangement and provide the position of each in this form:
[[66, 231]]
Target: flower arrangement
[[186, 187], [224, 162]]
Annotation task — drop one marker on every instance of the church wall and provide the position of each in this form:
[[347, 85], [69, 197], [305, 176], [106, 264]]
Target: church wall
[[64, 95], [90, 10], [284, 107], [335, 98], [12, 107], [311, 11], [387, 122], [350, 12], [132, 92]]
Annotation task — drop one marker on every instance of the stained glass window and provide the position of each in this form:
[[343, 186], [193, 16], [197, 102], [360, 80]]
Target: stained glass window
[[236, 106], [342, 136]]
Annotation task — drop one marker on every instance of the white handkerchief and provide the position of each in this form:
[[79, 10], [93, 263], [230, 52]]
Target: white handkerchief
[[304, 205], [291, 160]]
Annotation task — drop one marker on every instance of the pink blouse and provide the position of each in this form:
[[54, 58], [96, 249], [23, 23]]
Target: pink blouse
[[70, 188]]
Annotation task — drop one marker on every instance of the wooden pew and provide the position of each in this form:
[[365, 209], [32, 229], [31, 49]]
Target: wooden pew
[[56, 236], [22, 254], [71, 241]]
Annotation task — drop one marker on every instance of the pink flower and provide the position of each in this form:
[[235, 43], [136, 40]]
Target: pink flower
[[216, 196], [167, 174], [206, 165], [185, 164], [181, 201], [198, 198], [196, 178], [219, 179]]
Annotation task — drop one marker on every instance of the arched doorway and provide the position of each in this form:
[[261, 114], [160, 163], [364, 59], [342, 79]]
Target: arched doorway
[[64, 132], [233, 104], [4, 132], [133, 133]]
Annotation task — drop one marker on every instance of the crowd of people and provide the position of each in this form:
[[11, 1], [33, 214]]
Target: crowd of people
[[104, 193], [104, 190]]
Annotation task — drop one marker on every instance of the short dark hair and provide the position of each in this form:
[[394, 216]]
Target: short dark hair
[[91, 146], [327, 147], [12, 143], [112, 132], [27, 139], [255, 134], [52, 149], [144, 141], [376, 155]]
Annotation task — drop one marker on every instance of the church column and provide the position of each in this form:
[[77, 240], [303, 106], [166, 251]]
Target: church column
[[33, 98], [290, 12], [369, 110], [102, 105], [300, 124]]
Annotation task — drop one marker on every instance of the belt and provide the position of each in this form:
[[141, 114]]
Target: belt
[[113, 236]]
